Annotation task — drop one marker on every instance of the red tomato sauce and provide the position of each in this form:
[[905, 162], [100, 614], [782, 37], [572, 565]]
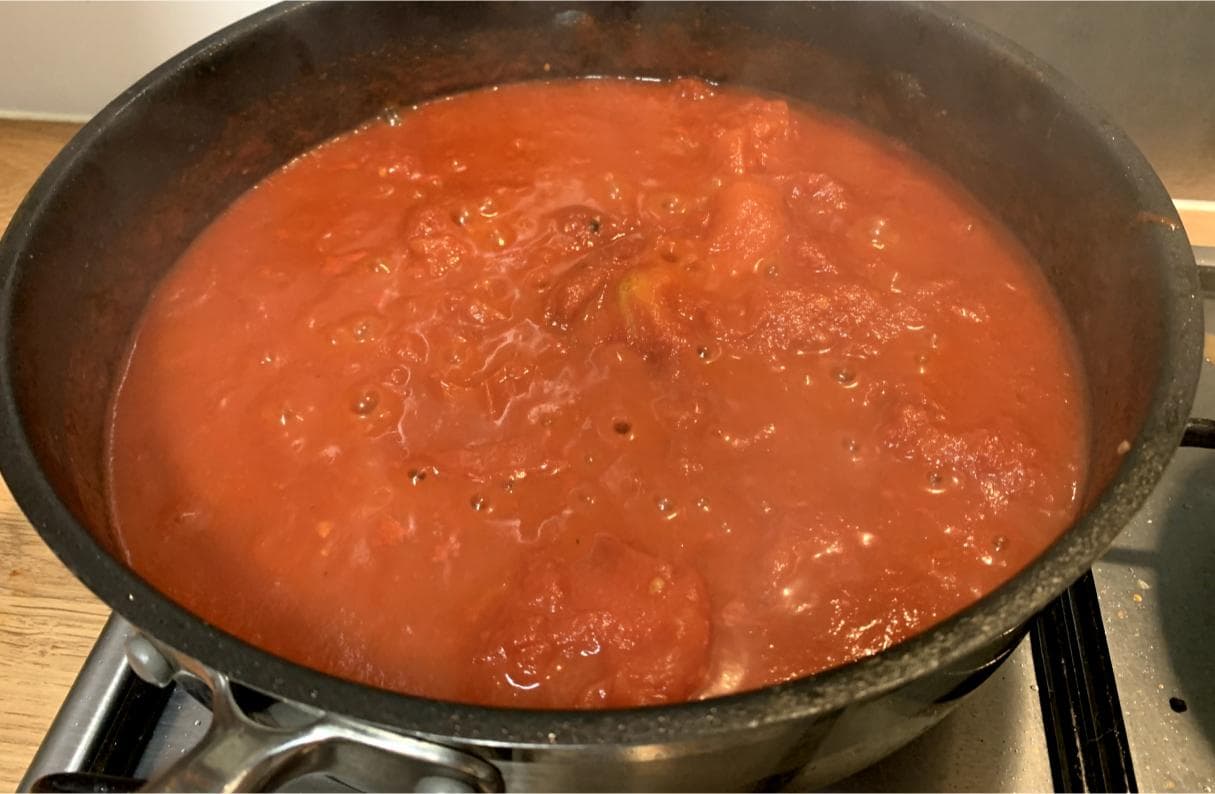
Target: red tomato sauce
[[595, 393]]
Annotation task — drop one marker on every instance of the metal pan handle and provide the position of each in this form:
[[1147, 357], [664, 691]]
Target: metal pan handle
[[1200, 432], [245, 752], [1204, 256]]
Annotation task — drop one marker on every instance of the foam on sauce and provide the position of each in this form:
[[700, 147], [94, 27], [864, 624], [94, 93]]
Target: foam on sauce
[[595, 393]]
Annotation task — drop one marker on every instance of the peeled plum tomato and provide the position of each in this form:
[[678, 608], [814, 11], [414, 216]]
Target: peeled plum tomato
[[595, 393], [615, 627]]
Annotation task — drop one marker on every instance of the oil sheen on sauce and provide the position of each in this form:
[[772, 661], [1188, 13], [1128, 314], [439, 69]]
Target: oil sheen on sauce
[[595, 393]]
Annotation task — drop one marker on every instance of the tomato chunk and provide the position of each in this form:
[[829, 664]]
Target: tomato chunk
[[613, 627]]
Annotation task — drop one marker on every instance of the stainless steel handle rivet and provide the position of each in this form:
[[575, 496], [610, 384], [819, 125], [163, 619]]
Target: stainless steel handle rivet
[[147, 662], [437, 784]]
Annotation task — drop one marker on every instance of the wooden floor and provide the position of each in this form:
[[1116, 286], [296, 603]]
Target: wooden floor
[[48, 621]]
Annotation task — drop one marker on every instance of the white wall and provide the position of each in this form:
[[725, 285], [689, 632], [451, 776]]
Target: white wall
[[68, 59]]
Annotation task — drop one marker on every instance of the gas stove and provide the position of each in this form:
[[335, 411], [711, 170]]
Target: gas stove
[[1113, 688]]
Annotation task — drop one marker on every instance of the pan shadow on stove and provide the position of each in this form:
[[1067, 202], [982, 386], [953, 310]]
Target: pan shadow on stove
[[1159, 610], [993, 741], [1187, 595]]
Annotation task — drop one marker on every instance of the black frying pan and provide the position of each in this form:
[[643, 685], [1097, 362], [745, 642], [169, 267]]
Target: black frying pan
[[120, 203]]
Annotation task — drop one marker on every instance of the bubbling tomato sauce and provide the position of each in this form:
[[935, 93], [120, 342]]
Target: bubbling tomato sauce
[[595, 393]]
